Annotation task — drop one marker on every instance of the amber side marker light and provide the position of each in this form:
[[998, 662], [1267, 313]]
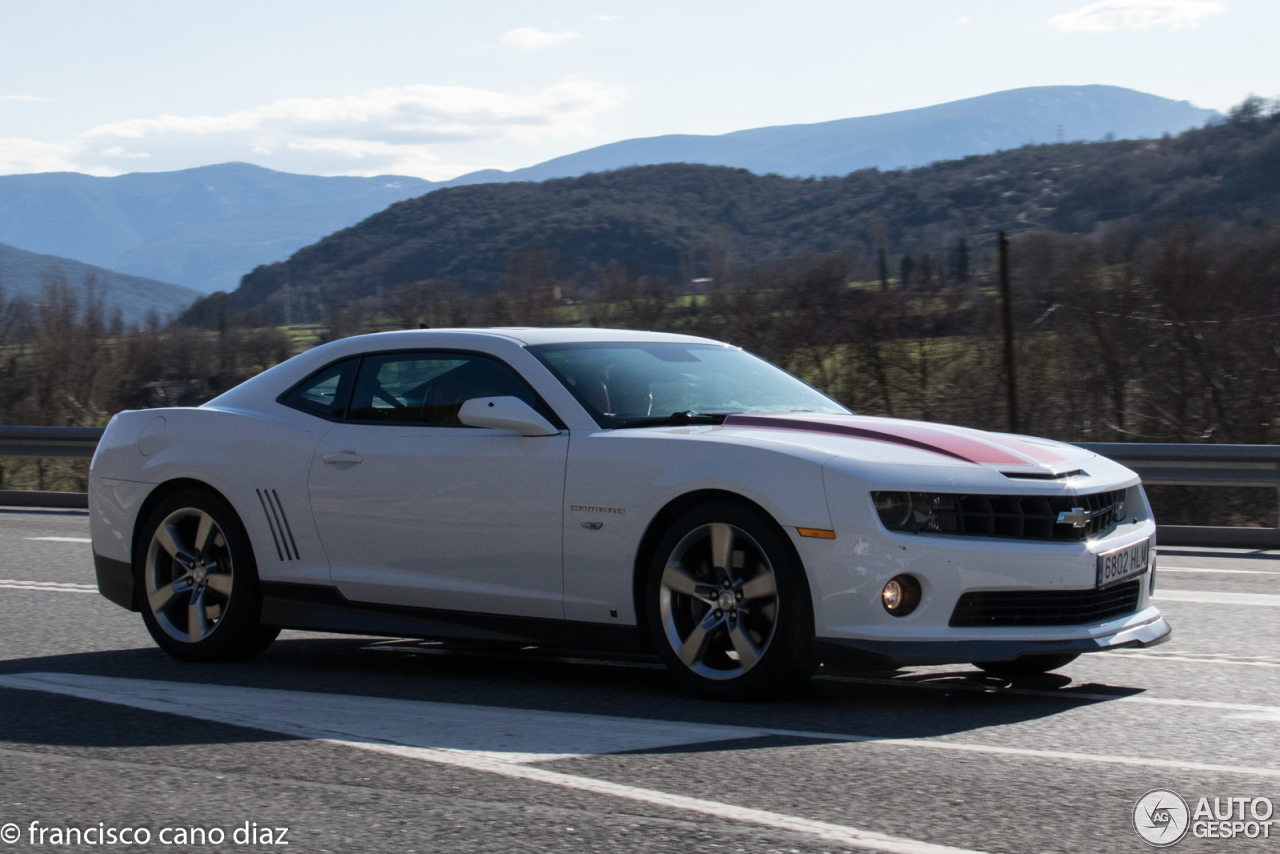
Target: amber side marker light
[[817, 533]]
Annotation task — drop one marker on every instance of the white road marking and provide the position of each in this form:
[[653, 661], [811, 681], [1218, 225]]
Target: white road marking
[[429, 731], [54, 586], [1191, 658], [1165, 569], [512, 736], [1063, 695], [60, 539], [437, 731], [1213, 597]]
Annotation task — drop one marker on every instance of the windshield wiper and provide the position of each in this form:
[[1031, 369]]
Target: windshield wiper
[[675, 419]]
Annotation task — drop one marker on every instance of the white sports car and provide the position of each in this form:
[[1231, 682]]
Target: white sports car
[[612, 490]]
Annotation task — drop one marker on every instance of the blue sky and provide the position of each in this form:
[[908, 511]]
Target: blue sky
[[437, 89]]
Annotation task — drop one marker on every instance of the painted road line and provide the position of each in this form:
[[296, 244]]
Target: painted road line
[[47, 586], [515, 737], [59, 539], [1195, 570], [512, 736], [1190, 658], [1213, 597], [367, 723], [1248, 708]]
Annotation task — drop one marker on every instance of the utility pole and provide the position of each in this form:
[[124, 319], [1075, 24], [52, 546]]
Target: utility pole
[[1011, 377]]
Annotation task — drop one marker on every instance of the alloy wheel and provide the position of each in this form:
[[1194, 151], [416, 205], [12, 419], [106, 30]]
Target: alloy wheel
[[719, 601], [189, 575]]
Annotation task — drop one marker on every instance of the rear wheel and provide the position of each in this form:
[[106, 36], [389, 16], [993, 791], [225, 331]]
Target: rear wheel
[[200, 595], [727, 604], [1027, 665]]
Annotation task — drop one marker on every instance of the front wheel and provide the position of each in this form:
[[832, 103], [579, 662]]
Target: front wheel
[[199, 588], [727, 604]]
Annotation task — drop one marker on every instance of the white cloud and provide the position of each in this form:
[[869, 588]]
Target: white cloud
[[20, 98], [604, 17], [19, 155], [528, 38], [1111, 15], [964, 19], [399, 115], [118, 151], [403, 130]]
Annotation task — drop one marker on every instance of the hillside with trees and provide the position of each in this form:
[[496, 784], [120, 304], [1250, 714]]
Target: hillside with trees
[[682, 222], [24, 274]]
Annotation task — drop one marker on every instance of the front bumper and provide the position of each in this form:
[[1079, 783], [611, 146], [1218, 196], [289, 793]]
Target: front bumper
[[869, 654]]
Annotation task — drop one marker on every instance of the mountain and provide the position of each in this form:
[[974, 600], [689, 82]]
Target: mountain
[[897, 140], [22, 272], [203, 228], [207, 227], [669, 220]]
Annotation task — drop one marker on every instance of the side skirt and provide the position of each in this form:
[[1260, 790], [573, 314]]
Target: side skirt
[[314, 607]]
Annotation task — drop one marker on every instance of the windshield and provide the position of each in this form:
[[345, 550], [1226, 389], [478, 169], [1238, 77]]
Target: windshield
[[634, 384]]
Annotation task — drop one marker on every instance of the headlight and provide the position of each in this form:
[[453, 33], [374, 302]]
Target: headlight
[[894, 508], [918, 511]]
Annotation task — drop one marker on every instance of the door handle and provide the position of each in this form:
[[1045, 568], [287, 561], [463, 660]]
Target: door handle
[[343, 457]]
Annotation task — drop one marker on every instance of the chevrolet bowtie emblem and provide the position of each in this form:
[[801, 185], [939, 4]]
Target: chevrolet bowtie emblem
[[1077, 517]]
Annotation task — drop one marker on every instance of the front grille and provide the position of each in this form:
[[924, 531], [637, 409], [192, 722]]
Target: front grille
[[1031, 517], [1045, 607]]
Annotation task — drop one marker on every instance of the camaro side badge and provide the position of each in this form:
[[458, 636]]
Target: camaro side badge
[[584, 508], [1078, 517]]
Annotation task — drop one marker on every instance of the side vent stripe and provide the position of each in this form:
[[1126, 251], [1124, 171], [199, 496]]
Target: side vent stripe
[[271, 505], [287, 528], [270, 525]]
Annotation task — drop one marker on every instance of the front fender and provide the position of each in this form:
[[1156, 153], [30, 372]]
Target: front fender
[[619, 481]]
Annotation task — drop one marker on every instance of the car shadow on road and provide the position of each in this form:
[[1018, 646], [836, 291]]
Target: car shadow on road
[[881, 705]]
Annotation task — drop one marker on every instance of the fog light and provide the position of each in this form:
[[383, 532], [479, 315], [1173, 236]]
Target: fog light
[[901, 595]]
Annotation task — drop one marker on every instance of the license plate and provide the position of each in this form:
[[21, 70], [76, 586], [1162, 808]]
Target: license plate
[[1123, 564]]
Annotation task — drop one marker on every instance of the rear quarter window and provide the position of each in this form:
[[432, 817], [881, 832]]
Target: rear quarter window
[[326, 392]]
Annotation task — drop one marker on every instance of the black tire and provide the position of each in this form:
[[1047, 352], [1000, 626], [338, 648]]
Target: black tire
[[1026, 665], [777, 627], [172, 585]]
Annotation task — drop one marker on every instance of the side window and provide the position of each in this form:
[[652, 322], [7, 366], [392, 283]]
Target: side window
[[325, 393], [429, 388]]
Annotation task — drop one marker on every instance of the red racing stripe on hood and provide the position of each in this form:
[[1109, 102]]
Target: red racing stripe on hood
[[908, 434]]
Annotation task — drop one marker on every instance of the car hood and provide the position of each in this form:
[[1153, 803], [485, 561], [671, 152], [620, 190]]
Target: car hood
[[902, 442]]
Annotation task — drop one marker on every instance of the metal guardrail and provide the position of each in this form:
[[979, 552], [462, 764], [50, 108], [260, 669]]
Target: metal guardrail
[[49, 441], [1203, 465], [1196, 465], [79, 442], [1157, 464]]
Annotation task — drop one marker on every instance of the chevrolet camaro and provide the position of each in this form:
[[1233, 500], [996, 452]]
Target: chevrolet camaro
[[612, 490]]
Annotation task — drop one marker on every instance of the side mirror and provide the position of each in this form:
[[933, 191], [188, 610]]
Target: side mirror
[[505, 413]]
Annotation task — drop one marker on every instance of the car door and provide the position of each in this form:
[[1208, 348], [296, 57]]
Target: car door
[[414, 508]]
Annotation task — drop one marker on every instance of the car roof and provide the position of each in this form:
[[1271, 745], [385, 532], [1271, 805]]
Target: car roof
[[534, 335]]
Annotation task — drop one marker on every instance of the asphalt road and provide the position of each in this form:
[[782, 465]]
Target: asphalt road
[[364, 744]]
